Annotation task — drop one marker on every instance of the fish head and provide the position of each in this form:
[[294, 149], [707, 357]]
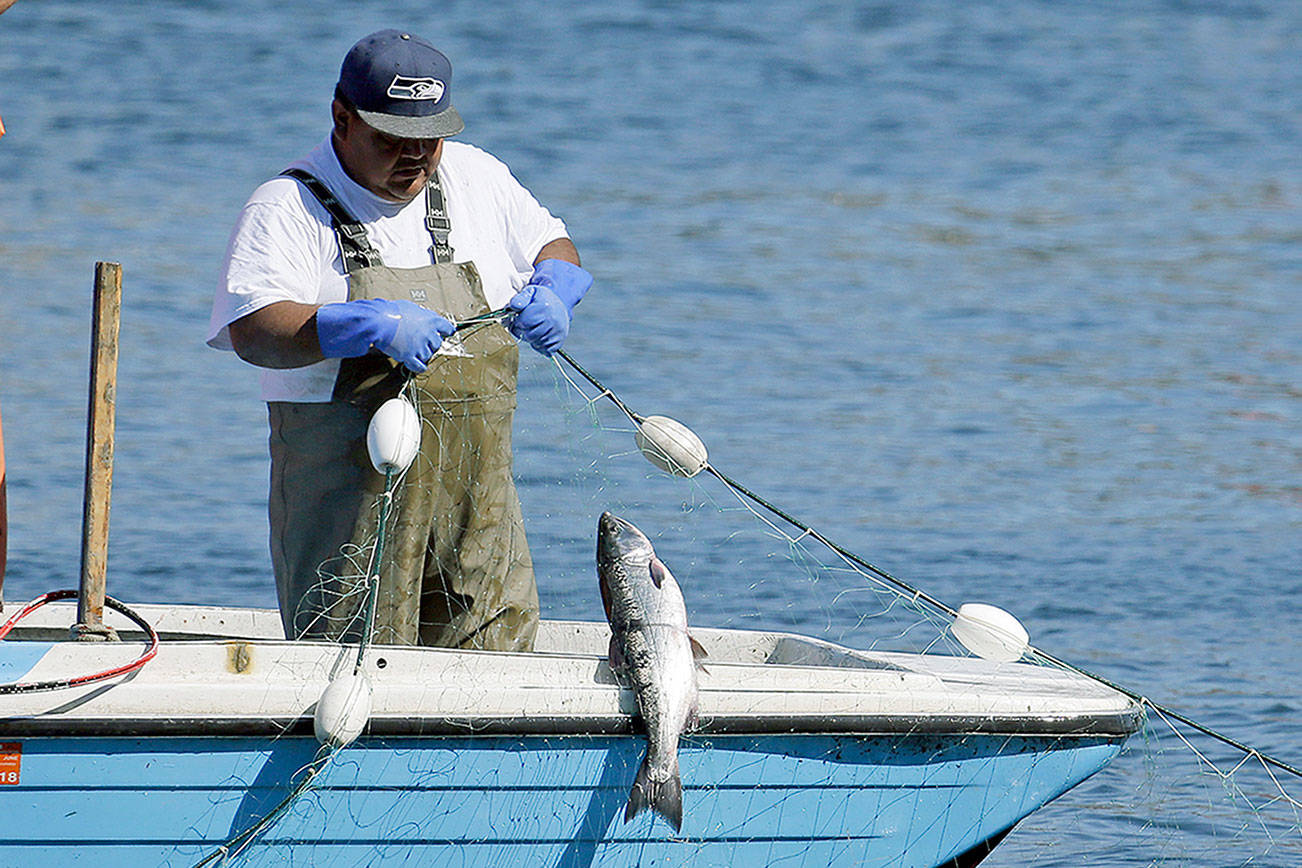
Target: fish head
[[620, 540], [622, 550]]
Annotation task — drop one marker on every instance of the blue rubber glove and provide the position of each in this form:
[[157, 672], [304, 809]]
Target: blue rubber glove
[[405, 332], [546, 304], [543, 320], [567, 280]]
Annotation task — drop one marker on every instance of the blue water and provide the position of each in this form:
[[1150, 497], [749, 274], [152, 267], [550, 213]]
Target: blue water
[[1003, 296]]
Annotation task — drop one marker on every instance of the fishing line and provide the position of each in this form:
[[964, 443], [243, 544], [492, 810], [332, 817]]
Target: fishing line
[[805, 529], [920, 596], [373, 572], [482, 319], [237, 844], [1175, 715]]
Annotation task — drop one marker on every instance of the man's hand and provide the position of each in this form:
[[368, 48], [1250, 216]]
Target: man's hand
[[567, 280], [405, 332], [546, 304]]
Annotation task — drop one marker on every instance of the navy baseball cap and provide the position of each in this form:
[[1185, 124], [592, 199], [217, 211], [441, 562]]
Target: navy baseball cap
[[401, 85]]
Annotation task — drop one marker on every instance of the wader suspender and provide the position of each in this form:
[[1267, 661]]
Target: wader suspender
[[357, 250]]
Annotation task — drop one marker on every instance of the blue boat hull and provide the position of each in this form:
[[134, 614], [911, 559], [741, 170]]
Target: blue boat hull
[[817, 800]]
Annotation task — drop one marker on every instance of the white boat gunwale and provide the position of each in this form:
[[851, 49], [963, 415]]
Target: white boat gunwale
[[831, 676]]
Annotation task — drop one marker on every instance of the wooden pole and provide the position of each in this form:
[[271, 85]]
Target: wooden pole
[[99, 453]]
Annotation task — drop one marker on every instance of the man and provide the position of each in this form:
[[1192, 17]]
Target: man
[[345, 278]]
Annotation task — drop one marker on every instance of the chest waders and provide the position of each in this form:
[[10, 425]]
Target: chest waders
[[456, 571]]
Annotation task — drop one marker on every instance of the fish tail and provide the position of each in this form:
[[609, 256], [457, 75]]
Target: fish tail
[[661, 792]]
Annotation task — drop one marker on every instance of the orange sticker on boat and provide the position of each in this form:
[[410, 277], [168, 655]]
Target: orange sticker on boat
[[11, 762]]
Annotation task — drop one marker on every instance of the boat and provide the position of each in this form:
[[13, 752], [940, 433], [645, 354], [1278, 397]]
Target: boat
[[806, 753], [203, 737]]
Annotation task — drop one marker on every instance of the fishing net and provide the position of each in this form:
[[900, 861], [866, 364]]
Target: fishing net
[[456, 571], [742, 563], [1171, 776]]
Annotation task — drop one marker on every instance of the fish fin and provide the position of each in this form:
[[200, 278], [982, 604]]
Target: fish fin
[[605, 593], [658, 571], [698, 650], [616, 657], [664, 797]]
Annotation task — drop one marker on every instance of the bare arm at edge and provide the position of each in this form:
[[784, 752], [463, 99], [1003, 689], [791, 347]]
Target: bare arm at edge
[[4, 518], [561, 248], [280, 335]]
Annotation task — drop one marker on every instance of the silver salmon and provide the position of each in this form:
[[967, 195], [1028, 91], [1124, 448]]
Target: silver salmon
[[651, 651]]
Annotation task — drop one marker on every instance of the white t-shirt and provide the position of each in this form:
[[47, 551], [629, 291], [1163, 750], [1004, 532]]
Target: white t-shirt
[[283, 248]]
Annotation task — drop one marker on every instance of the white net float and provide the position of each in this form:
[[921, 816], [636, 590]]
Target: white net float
[[393, 437], [671, 446], [342, 710], [990, 632]]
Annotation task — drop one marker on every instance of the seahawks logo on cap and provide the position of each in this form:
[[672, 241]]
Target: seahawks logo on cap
[[403, 87]]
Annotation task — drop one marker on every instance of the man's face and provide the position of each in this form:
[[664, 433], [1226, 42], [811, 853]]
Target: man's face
[[391, 168]]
